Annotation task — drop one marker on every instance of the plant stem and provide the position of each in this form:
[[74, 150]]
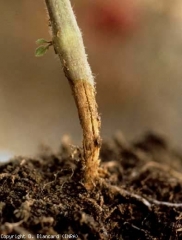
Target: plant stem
[[68, 44]]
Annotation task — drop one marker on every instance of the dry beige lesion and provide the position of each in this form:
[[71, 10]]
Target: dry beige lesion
[[84, 95]]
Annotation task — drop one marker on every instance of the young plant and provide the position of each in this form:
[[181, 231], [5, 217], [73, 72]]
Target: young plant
[[68, 44]]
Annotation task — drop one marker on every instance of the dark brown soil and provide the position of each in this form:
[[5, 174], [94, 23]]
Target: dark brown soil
[[138, 197]]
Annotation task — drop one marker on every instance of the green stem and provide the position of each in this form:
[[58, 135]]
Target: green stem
[[68, 44]]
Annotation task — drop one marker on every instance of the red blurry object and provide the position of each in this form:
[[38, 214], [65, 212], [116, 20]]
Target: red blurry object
[[113, 16]]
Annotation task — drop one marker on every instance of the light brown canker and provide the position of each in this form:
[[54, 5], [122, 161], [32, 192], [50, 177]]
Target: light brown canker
[[84, 95]]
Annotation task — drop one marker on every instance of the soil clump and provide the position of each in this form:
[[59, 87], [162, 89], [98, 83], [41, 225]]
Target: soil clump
[[139, 194]]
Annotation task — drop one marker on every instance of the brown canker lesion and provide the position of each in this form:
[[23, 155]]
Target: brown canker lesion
[[84, 95]]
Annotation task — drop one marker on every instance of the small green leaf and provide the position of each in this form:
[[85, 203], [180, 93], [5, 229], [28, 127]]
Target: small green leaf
[[41, 41], [41, 50]]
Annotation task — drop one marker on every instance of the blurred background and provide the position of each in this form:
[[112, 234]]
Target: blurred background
[[135, 51]]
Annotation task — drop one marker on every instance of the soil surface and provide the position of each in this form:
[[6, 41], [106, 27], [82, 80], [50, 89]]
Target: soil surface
[[139, 195]]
